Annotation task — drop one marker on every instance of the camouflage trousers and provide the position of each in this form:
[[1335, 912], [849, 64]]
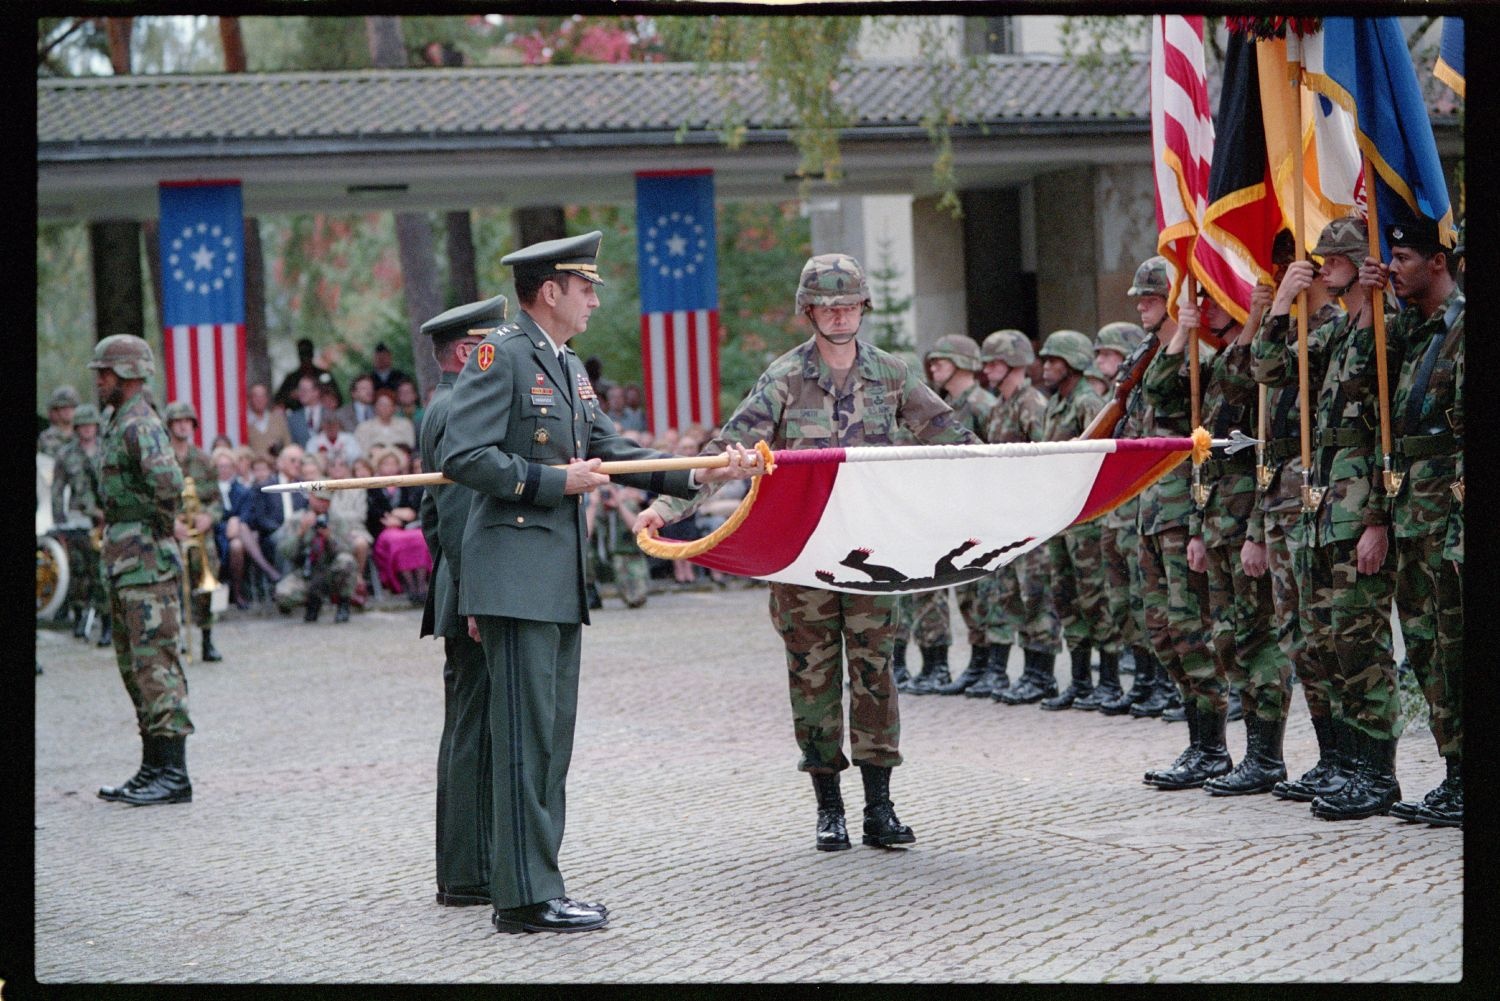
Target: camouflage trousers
[[821, 629], [632, 576], [1078, 589], [1177, 620], [925, 617], [203, 615], [976, 602], [85, 572], [1286, 559], [1429, 602], [1119, 548], [1348, 618], [335, 582], [1037, 626], [1240, 606], [145, 619]]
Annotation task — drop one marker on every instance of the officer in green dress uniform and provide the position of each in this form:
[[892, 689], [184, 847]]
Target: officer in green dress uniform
[[464, 833], [526, 433]]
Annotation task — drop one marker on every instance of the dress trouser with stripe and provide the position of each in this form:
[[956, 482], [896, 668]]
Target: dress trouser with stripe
[[533, 668]]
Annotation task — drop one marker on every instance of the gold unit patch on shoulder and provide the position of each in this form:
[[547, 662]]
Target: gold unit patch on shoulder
[[485, 356]]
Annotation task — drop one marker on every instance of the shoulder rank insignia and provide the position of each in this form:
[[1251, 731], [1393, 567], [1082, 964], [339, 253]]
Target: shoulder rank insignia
[[485, 356]]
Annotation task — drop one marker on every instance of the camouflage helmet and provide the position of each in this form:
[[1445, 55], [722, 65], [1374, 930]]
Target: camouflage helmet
[[960, 350], [63, 396], [832, 280], [1151, 278], [1348, 237], [1071, 346], [178, 410], [86, 413], [128, 355], [1010, 346], [1121, 336]]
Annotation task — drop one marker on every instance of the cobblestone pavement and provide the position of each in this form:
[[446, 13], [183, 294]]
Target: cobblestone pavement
[[306, 855]]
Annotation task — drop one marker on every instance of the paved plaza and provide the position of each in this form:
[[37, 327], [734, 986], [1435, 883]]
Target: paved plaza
[[306, 856]]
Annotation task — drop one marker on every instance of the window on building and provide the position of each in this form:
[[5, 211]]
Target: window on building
[[989, 36]]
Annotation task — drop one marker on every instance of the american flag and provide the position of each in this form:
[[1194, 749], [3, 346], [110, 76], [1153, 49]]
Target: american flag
[[1182, 134], [679, 280], [203, 303]]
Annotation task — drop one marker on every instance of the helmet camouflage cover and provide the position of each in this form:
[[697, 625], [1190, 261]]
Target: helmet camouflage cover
[[178, 410], [86, 414], [63, 396], [832, 280], [1121, 336], [960, 350], [127, 355], [1071, 346], [1010, 346], [1347, 236], [1151, 278]]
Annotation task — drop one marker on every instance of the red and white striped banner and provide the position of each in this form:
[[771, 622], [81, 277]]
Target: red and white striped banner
[[1182, 134], [680, 361], [205, 366]]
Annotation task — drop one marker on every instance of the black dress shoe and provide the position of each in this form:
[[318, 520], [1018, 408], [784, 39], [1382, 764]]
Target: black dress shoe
[[468, 896], [557, 914]]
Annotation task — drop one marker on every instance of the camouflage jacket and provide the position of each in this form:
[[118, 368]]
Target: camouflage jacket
[[195, 464], [972, 408], [1283, 449], [75, 486], [1167, 503], [305, 553], [140, 486], [1422, 504], [1229, 399], [1018, 418], [1127, 516], [1067, 416], [51, 441], [1346, 436], [794, 405]]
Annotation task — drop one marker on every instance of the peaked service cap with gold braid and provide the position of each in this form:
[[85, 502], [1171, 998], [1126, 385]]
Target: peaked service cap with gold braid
[[574, 255], [479, 318]]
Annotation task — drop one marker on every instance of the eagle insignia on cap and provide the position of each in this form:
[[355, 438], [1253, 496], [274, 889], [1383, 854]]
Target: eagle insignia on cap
[[1397, 233], [486, 356]]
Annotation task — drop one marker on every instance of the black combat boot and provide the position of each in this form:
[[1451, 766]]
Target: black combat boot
[[314, 606], [979, 662], [1174, 711], [832, 835], [1141, 686], [1446, 809], [106, 633], [883, 828], [898, 666], [1212, 759], [210, 654], [1236, 707], [1261, 768], [994, 679], [1186, 759], [1108, 688], [1373, 789], [341, 611], [150, 764], [1037, 680], [1323, 778], [1159, 696], [170, 784], [1082, 682], [79, 622], [934, 671], [1407, 809]]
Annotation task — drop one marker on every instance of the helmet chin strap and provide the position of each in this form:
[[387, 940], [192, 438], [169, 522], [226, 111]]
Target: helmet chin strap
[[1338, 293]]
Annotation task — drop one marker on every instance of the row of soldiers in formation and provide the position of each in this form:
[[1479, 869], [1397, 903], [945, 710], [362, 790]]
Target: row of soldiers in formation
[[1223, 581]]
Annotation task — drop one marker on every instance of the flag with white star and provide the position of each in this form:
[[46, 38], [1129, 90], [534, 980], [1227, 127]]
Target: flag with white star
[[679, 280], [202, 237]]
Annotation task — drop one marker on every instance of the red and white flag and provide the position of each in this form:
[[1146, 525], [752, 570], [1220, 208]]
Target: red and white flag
[[915, 518], [1182, 135], [205, 366]]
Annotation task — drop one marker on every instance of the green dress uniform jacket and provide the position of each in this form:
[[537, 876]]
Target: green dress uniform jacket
[[444, 513]]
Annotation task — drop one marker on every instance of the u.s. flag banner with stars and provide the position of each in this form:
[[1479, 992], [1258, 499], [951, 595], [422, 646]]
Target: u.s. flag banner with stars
[[679, 278], [203, 303]]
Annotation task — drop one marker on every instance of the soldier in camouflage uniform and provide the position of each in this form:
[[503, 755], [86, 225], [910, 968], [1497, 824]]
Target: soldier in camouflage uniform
[[619, 507], [140, 488], [1118, 547], [316, 549], [1219, 541], [76, 513], [1022, 608], [1278, 522], [1349, 580], [1077, 569], [1177, 604], [1427, 426], [182, 421], [832, 392], [953, 369], [60, 407]]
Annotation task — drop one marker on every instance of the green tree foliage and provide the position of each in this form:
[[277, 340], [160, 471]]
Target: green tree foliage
[[887, 319]]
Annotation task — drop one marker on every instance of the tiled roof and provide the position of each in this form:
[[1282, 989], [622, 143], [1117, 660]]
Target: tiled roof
[[586, 103]]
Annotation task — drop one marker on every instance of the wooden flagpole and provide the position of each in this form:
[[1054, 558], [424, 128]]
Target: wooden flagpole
[[438, 479], [1311, 496], [1377, 317]]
